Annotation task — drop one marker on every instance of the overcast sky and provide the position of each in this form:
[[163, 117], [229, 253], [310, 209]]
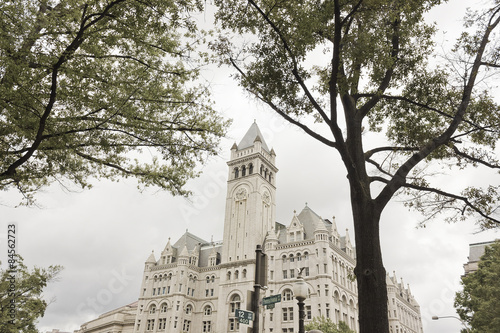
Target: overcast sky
[[103, 236]]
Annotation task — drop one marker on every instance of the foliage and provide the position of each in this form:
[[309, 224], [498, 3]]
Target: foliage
[[477, 304], [361, 70], [87, 85], [23, 295], [364, 65], [326, 325]]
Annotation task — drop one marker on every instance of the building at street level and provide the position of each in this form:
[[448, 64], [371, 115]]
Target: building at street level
[[195, 285]]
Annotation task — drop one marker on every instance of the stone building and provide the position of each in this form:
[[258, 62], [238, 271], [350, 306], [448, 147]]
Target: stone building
[[476, 251], [195, 285]]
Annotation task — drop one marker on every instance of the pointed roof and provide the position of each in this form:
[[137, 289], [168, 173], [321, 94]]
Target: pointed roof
[[184, 252], [251, 136], [311, 221], [151, 258], [189, 241]]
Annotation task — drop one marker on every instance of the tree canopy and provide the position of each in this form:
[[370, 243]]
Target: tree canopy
[[87, 85], [326, 325], [21, 299], [477, 303], [357, 76]]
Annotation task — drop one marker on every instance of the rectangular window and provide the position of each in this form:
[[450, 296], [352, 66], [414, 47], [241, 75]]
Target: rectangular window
[[168, 290], [189, 290], [290, 314], [308, 312], [271, 315], [162, 323], [271, 275], [154, 291], [306, 271], [285, 274], [192, 292], [234, 325], [164, 290], [151, 325], [187, 324], [211, 292], [324, 268], [180, 287], [292, 273], [206, 292], [285, 314], [207, 326]]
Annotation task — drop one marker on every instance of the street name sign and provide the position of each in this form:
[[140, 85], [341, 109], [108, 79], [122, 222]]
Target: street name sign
[[271, 299], [243, 316]]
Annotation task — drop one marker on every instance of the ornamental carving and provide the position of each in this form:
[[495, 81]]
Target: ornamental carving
[[241, 194], [266, 198]]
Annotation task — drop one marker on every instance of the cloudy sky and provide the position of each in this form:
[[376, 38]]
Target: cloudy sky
[[103, 236]]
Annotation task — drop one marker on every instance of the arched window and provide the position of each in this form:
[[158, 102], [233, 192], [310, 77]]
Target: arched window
[[236, 172], [244, 273], [270, 176], [189, 309], [207, 310], [235, 303], [236, 275], [228, 276], [250, 168], [213, 278], [243, 171], [284, 258], [152, 309], [287, 295], [261, 169], [208, 279]]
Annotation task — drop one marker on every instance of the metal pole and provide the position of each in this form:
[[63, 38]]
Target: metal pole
[[256, 289], [301, 314]]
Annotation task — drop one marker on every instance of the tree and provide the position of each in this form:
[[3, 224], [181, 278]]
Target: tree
[[348, 70], [87, 85], [21, 301], [326, 325], [477, 304]]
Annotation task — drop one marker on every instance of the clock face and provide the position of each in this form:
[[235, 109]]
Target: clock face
[[241, 194]]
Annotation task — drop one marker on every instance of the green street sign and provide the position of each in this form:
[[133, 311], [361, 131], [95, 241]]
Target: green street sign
[[243, 316], [271, 299]]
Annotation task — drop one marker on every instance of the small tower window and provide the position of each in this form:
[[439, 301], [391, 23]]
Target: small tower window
[[243, 171], [236, 172], [250, 169], [261, 169]]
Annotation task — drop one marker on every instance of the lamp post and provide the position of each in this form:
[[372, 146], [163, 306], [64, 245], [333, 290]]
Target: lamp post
[[300, 293], [463, 323]]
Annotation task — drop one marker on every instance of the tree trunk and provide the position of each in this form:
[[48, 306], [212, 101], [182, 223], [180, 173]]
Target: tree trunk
[[370, 271]]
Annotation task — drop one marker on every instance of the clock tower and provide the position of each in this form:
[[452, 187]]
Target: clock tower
[[251, 196]]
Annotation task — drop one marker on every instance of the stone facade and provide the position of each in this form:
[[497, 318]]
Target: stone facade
[[196, 286], [476, 251]]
